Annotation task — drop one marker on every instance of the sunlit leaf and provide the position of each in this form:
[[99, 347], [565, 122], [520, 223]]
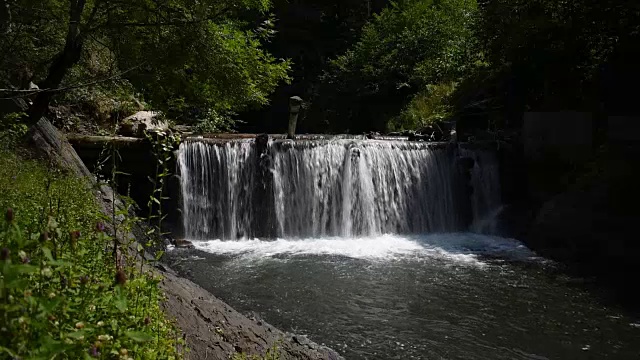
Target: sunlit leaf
[[138, 336]]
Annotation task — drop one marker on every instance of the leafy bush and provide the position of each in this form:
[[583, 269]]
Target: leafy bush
[[427, 107], [11, 129], [62, 295], [214, 122], [107, 103]]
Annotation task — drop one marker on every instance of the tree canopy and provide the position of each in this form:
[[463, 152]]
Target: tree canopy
[[185, 56], [361, 65], [423, 61], [552, 55], [405, 49]]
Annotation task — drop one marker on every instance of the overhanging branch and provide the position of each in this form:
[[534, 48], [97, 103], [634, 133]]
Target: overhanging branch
[[27, 93]]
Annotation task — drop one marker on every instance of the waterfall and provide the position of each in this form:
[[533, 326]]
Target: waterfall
[[216, 182], [340, 187]]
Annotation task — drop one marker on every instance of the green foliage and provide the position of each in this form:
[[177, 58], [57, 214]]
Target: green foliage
[[187, 58], [32, 36], [555, 55], [223, 69], [104, 102], [215, 123], [62, 294], [11, 129], [505, 56], [163, 146], [406, 48], [272, 354], [426, 107]]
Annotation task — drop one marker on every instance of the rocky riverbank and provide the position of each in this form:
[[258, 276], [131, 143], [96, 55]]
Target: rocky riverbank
[[214, 330]]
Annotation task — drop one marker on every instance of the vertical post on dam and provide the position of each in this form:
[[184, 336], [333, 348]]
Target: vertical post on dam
[[295, 103]]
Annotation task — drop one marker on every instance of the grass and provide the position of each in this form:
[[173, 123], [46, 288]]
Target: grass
[[62, 294], [272, 353]]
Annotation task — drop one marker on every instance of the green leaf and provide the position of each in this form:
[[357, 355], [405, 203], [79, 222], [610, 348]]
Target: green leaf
[[47, 253], [5, 350], [76, 334], [27, 269], [17, 284], [121, 300], [51, 346], [121, 304], [48, 306], [138, 336], [9, 272]]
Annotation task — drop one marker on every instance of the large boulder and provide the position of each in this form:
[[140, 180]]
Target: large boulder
[[136, 124]]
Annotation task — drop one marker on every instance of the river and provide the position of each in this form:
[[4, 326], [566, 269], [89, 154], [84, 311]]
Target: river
[[449, 296], [382, 250]]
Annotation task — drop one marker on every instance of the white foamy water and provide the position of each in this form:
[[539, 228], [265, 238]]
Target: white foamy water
[[458, 248]]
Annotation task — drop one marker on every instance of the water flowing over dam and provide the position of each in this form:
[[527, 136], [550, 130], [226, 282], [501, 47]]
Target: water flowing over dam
[[334, 187]]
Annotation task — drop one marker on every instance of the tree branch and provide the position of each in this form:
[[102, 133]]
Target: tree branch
[[92, 16], [160, 24], [26, 93], [211, 17]]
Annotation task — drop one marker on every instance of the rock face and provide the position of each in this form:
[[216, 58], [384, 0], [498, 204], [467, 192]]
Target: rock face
[[574, 226], [212, 329], [567, 135], [593, 225]]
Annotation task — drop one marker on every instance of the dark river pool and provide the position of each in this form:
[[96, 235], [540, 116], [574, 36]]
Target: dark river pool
[[440, 296]]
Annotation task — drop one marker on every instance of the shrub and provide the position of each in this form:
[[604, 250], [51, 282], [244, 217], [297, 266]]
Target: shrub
[[214, 122], [426, 108], [61, 294], [11, 129]]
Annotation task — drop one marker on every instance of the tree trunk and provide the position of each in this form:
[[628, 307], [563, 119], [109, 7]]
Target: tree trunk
[[64, 61]]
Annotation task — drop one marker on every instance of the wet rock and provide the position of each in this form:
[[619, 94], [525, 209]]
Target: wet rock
[[372, 135], [419, 137], [183, 244]]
